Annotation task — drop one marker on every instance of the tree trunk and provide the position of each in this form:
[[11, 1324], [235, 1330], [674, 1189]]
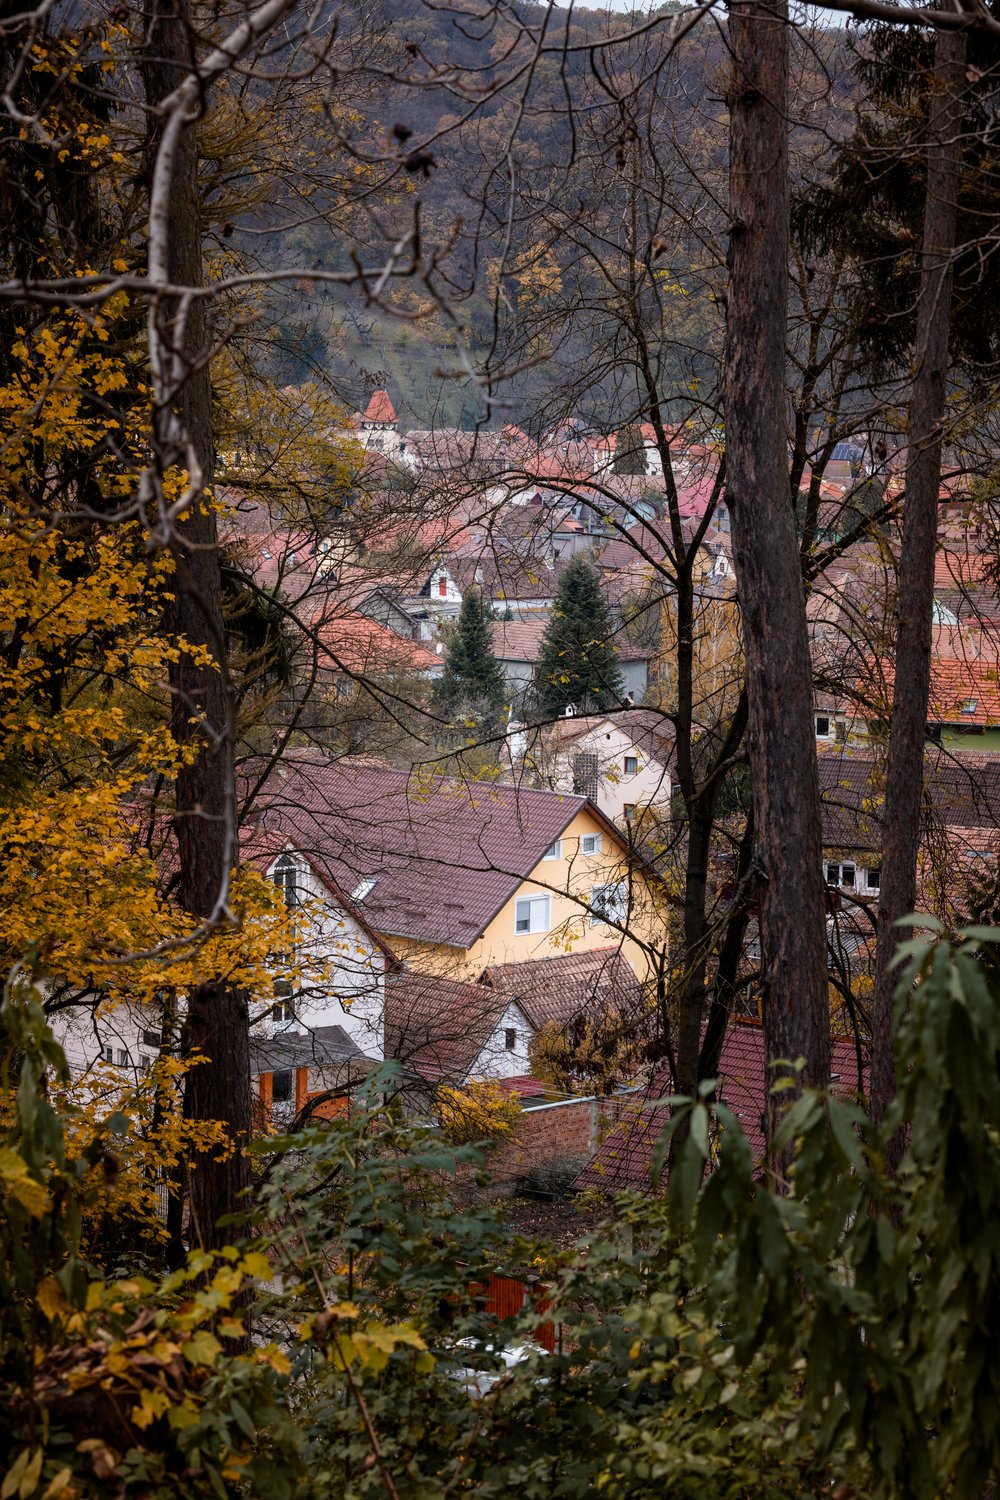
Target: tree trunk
[[205, 815], [914, 621], [765, 552]]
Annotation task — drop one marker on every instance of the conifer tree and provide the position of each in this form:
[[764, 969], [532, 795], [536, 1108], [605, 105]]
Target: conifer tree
[[578, 663], [472, 684]]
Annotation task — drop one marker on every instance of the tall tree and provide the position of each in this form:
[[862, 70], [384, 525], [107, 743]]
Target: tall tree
[[472, 683], [578, 662], [914, 623], [202, 715], [630, 451], [766, 550]]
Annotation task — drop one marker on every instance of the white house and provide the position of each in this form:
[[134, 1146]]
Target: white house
[[620, 760]]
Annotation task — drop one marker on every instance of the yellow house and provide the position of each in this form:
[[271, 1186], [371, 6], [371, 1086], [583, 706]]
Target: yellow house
[[461, 875]]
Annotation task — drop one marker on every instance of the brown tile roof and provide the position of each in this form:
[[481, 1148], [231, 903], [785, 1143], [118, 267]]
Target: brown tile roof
[[446, 855], [560, 988], [963, 795], [646, 727], [624, 1160], [521, 640], [438, 1027]]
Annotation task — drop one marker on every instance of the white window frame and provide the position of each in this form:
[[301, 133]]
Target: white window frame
[[828, 733], [873, 890], [554, 851], [635, 765], [599, 913], [537, 910], [594, 840]]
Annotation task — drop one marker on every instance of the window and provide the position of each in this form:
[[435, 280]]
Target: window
[[841, 874], [873, 879], [443, 587], [590, 843], [970, 705], [281, 1087], [822, 726], [585, 773], [554, 851], [832, 874], [510, 1039], [122, 1057], [531, 914], [364, 888], [146, 1064], [631, 765], [108, 1054], [630, 812], [283, 1011], [847, 876], [151, 1039], [284, 876], [609, 903]]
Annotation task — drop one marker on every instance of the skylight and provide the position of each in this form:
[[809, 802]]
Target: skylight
[[364, 888]]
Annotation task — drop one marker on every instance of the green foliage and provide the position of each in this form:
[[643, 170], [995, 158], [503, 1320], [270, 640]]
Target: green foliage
[[578, 662], [719, 1338], [630, 454], [471, 688]]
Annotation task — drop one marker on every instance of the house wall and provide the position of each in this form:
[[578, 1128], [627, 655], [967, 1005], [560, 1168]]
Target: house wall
[[496, 1060], [570, 929], [343, 973], [649, 786]]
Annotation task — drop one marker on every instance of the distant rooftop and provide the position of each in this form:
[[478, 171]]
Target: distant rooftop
[[380, 408]]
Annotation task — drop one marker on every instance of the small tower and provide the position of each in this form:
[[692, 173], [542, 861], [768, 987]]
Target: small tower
[[380, 426]]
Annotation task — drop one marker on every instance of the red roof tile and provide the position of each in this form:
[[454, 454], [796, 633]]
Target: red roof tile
[[357, 644], [438, 1027], [380, 408], [624, 1159]]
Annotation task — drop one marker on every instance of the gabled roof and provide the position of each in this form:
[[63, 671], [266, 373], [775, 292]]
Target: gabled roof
[[317, 1048], [962, 795], [445, 855], [380, 408], [438, 1027], [360, 645], [624, 1159], [563, 987]]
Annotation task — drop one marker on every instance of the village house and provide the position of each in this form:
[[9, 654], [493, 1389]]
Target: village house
[[457, 875], [517, 645], [620, 760]]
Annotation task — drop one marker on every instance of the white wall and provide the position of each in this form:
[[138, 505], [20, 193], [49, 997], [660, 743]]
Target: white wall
[[495, 1061]]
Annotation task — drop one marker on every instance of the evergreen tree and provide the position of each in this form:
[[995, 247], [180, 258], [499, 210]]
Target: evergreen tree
[[472, 684], [630, 452], [578, 663]]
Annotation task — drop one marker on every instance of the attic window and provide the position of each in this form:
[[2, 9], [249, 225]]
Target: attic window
[[554, 851], [590, 843], [970, 705], [631, 765], [509, 1039], [364, 888]]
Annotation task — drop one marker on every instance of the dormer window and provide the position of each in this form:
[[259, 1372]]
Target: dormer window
[[970, 705], [364, 888]]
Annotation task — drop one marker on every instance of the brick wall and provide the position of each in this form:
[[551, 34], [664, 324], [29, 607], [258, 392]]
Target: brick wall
[[549, 1136]]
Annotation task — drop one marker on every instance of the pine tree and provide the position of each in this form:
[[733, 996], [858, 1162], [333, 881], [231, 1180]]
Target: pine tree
[[472, 684], [630, 452], [578, 663]]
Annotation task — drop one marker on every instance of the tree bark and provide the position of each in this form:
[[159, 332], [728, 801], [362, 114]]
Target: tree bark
[[914, 619], [205, 806], [766, 556]]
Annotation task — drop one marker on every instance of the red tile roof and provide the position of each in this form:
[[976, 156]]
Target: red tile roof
[[624, 1159], [446, 855], [380, 408], [357, 644], [560, 988]]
